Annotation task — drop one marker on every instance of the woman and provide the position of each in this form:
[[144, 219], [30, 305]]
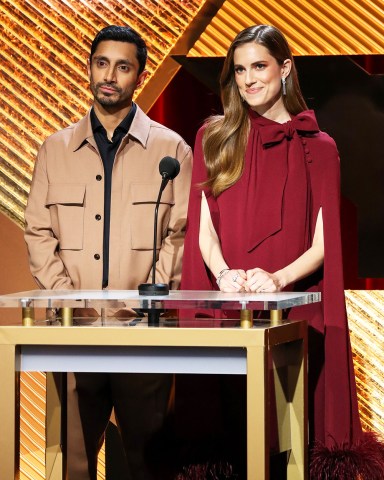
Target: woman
[[264, 216]]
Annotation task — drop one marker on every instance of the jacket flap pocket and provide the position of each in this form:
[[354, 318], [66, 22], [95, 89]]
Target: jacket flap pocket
[[65, 194], [148, 193]]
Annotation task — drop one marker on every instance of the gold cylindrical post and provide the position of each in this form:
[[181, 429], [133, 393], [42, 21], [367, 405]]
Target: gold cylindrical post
[[246, 319], [28, 314], [276, 316], [66, 314]]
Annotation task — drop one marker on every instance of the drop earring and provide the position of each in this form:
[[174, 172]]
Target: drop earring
[[283, 83]]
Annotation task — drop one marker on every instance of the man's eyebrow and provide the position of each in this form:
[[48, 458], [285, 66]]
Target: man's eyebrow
[[120, 61]]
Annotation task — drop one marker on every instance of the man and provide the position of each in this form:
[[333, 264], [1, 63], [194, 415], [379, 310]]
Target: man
[[89, 225]]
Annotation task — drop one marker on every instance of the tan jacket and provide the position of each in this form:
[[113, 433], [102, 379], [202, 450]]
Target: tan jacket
[[64, 215]]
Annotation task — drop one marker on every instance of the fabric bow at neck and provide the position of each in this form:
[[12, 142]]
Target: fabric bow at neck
[[265, 201], [304, 123]]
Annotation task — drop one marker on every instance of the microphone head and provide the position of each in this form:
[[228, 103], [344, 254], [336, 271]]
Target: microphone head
[[169, 168]]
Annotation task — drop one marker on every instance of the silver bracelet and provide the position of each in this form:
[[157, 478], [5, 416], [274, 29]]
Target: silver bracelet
[[220, 276]]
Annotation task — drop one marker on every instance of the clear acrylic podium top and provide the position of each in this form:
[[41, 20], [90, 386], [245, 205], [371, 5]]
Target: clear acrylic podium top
[[177, 299]]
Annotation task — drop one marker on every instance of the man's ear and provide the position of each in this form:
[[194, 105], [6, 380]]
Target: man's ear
[[141, 78]]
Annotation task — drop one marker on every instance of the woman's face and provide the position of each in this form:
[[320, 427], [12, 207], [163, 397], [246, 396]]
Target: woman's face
[[258, 77]]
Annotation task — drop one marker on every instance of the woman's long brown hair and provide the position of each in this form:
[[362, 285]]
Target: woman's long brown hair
[[225, 137]]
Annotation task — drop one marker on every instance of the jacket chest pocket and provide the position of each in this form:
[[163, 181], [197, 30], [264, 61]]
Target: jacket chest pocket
[[66, 205], [144, 197]]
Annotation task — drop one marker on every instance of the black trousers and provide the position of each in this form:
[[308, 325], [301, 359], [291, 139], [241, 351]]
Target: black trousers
[[140, 402]]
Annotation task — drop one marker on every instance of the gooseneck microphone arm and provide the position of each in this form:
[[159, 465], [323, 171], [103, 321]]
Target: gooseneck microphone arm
[[162, 187], [169, 168]]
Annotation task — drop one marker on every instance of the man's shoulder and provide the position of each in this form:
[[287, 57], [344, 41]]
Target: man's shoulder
[[160, 129], [66, 133], [60, 135], [155, 130]]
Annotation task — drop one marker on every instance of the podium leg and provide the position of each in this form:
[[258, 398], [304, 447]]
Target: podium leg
[[289, 373], [9, 414], [276, 316], [297, 383], [55, 426], [257, 414]]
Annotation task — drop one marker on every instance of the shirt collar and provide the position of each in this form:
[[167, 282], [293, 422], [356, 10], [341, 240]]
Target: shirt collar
[[124, 126]]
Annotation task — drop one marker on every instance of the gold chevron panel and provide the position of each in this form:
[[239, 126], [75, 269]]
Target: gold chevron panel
[[44, 85], [312, 27], [366, 323]]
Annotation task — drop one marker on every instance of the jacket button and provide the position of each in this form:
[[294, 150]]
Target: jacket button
[[98, 177], [98, 217], [96, 256]]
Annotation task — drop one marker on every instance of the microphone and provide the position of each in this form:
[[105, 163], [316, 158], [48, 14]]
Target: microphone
[[169, 168]]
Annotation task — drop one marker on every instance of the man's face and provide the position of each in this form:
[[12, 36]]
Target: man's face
[[113, 74]]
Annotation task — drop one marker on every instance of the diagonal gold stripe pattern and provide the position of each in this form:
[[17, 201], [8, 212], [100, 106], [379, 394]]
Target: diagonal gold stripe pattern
[[44, 86], [366, 323], [312, 27]]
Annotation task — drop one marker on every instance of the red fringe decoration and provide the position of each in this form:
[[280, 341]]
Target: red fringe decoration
[[208, 471], [363, 460]]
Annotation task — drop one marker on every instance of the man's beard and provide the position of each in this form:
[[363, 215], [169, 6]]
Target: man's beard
[[105, 100]]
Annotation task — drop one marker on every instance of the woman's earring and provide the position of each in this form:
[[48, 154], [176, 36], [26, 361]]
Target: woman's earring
[[283, 82]]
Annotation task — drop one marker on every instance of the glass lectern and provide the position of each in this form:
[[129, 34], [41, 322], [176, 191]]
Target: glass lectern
[[273, 350]]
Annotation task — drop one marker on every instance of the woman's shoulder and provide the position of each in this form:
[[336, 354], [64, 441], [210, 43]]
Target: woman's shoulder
[[323, 154], [210, 122], [319, 137], [325, 139], [319, 146]]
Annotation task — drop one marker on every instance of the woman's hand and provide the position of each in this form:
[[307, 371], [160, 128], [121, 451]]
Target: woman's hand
[[258, 280], [233, 281]]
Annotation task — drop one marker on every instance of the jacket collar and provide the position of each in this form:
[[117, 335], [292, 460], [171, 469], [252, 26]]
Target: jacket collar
[[140, 127], [82, 133], [82, 130]]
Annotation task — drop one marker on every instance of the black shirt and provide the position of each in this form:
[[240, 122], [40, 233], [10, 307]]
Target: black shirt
[[107, 150]]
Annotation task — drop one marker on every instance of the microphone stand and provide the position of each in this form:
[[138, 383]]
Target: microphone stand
[[155, 289]]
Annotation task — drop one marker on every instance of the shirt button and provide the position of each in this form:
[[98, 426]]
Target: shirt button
[[304, 142], [98, 217], [306, 150], [96, 256], [98, 177]]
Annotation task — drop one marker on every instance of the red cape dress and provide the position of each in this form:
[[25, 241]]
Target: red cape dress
[[267, 220]]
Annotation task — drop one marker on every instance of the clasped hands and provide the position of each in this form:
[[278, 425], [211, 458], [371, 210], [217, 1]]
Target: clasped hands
[[255, 280]]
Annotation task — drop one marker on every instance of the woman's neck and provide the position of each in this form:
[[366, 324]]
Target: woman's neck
[[275, 112]]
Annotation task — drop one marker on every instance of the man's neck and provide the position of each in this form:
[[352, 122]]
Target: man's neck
[[110, 118]]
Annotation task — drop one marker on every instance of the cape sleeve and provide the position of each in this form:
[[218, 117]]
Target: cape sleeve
[[341, 418], [195, 275]]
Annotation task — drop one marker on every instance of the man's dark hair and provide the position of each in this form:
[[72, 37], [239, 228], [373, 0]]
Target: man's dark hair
[[122, 34]]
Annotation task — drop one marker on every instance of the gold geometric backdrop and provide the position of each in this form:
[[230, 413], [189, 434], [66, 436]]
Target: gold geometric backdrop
[[312, 27], [44, 45], [366, 323], [44, 86]]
